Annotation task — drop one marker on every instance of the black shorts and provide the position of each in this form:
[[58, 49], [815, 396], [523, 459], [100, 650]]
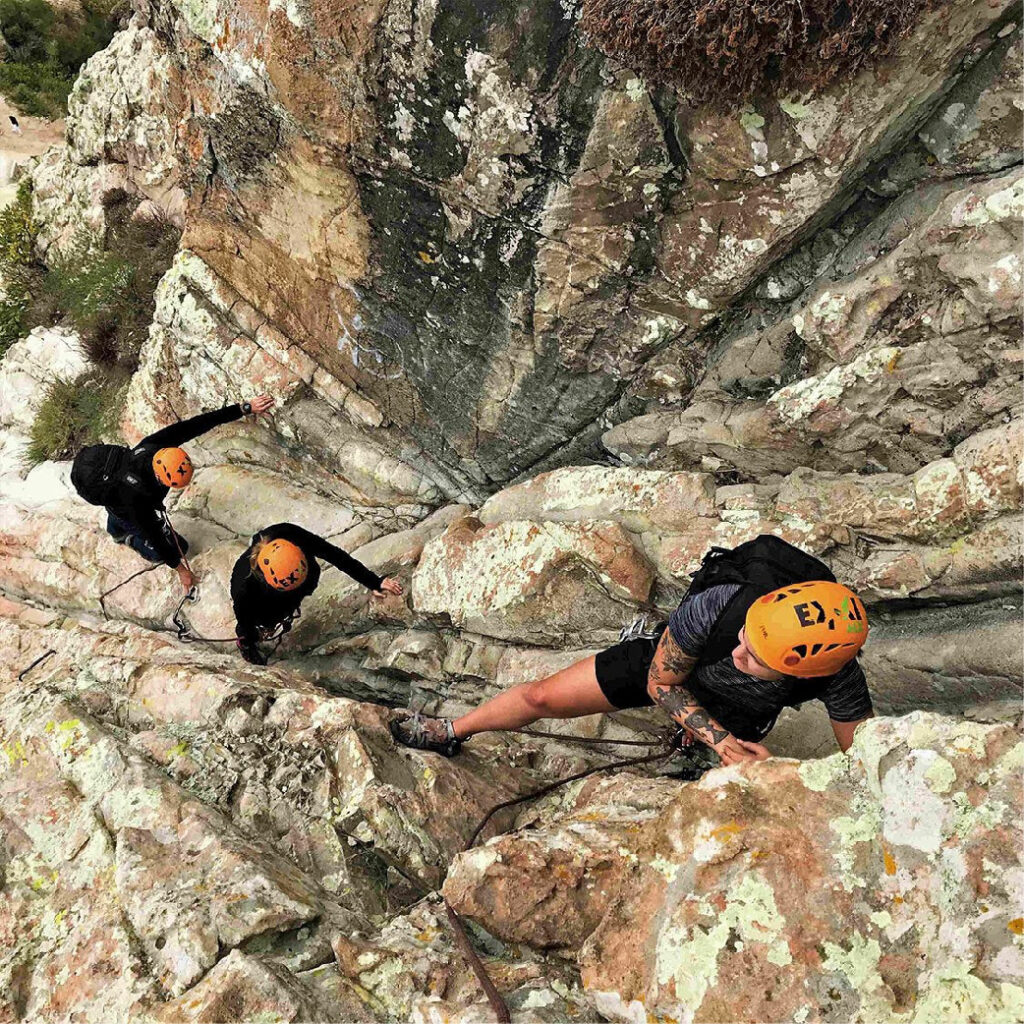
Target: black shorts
[[622, 673]]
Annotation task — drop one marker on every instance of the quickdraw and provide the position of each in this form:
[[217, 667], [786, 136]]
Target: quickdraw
[[186, 632]]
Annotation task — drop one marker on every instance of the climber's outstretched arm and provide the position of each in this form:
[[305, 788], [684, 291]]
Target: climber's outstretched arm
[[187, 430]]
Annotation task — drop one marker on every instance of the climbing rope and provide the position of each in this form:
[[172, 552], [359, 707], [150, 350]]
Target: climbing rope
[[186, 632], [661, 755], [498, 1004], [589, 740], [107, 593]]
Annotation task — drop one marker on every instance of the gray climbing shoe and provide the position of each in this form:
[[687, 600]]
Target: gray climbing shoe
[[422, 732]]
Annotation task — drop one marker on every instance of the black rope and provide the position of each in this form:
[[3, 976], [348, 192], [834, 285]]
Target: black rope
[[107, 593], [589, 740], [42, 657], [661, 755]]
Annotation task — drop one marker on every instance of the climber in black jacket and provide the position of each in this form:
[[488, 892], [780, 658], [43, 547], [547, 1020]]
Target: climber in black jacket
[[274, 574], [132, 484]]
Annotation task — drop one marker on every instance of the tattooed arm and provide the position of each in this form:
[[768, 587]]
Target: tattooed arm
[[666, 685]]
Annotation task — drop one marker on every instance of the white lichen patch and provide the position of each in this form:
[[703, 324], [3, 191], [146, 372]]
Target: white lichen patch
[[914, 814], [798, 401], [1006, 204]]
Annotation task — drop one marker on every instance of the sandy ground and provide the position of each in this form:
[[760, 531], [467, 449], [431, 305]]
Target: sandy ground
[[36, 136]]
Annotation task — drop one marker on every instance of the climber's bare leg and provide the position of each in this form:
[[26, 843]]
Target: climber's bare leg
[[567, 694]]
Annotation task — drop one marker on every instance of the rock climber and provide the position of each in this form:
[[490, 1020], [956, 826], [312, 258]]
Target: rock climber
[[132, 484], [274, 574], [736, 651]]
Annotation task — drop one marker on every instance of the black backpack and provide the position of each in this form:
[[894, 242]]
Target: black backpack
[[98, 473], [760, 566]]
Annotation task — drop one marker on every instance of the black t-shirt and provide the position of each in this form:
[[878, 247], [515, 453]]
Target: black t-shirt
[[743, 704], [141, 497], [257, 604]]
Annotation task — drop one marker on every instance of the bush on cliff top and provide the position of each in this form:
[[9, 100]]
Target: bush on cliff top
[[726, 51], [107, 294], [45, 48], [18, 266], [75, 413]]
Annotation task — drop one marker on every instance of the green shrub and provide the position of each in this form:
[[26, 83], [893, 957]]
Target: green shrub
[[75, 413], [108, 295], [37, 90], [18, 230], [726, 51], [19, 269], [47, 46]]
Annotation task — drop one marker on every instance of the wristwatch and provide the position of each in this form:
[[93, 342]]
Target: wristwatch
[[246, 408]]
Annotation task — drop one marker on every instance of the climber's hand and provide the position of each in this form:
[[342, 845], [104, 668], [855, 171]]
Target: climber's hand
[[733, 751], [389, 586], [187, 577], [261, 404], [682, 739]]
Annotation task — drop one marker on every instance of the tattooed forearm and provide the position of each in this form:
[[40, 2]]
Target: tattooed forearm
[[704, 727], [685, 709], [674, 699], [671, 668], [671, 665]]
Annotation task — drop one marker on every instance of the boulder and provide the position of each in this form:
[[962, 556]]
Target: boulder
[[878, 885], [532, 581]]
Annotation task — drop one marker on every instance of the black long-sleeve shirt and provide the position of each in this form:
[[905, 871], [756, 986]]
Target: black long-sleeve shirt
[[141, 498], [257, 604]]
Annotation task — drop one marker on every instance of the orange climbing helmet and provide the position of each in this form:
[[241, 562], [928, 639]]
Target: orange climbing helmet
[[807, 629], [283, 564], [173, 467]]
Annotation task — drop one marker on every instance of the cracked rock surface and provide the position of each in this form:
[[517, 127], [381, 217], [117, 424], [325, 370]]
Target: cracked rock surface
[[539, 335]]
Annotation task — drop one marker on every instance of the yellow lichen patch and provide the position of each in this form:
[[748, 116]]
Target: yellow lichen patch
[[425, 256], [889, 861], [727, 830], [1017, 926]]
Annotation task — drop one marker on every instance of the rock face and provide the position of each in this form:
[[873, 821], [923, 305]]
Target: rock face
[[882, 885], [540, 335]]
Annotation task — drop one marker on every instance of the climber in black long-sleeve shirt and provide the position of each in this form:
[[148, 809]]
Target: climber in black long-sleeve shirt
[[275, 573], [132, 484]]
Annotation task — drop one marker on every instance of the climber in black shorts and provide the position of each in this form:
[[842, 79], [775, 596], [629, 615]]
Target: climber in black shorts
[[730, 658]]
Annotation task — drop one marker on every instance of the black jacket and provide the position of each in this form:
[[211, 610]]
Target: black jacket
[[257, 604], [142, 496]]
